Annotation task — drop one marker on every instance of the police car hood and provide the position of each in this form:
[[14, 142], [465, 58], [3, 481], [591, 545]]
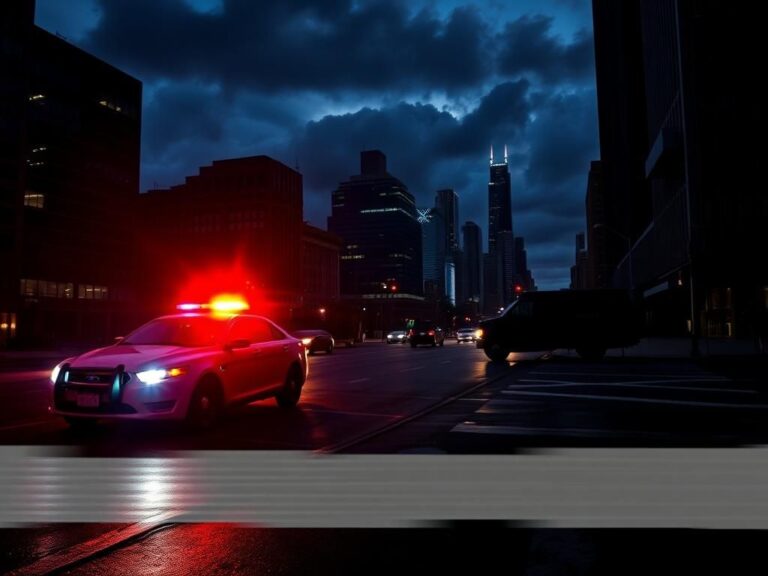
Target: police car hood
[[133, 357]]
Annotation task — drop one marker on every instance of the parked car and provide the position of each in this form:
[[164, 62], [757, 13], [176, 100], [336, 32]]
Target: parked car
[[589, 321], [426, 332], [397, 337], [316, 340], [182, 367], [465, 335]]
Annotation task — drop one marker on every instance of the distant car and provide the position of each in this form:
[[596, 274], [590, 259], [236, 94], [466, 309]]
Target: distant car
[[182, 367], [316, 340], [426, 332], [397, 337], [466, 335]]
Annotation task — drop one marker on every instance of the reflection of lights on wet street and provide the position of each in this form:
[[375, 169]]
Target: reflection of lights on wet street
[[48, 485], [154, 488]]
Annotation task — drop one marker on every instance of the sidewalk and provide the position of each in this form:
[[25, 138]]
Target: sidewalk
[[736, 359], [681, 348]]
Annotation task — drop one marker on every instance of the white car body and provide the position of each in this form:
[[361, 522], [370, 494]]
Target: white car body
[[244, 357], [466, 335]]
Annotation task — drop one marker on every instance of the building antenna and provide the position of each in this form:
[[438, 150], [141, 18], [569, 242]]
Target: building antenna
[[505, 154], [491, 154]]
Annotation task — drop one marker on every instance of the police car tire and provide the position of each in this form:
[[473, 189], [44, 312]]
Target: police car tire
[[289, 395], [205, 405]]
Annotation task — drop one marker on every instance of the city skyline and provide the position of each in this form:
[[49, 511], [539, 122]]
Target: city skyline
[[469, 75]]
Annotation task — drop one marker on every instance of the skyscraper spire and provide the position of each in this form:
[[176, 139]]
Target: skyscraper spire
[[505, 154], [491, 154]]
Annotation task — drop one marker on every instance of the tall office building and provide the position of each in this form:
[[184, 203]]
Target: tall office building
[[505, 265], [499, 201], [375, 216], [440, 233], [472, 266], [240, 214], [70, 129], [680, 206]]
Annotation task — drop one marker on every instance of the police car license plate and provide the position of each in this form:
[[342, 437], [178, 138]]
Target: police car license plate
[[88, 400]]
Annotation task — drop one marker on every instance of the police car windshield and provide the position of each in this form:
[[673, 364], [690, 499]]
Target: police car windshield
[[188, 331]]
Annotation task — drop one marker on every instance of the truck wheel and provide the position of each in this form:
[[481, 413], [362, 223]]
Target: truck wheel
[[496, 352], [591, 353]]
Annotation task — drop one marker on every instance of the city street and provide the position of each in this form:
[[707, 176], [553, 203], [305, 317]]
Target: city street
[[384, 399]]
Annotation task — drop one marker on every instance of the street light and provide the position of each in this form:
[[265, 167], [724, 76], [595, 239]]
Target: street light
[[628, 240]]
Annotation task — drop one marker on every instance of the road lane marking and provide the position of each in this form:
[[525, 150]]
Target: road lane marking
[[412, 369], [506, 430], [350, 413], [634, 399], [446, 361], [707, 378], [358, 380], [638, 384]]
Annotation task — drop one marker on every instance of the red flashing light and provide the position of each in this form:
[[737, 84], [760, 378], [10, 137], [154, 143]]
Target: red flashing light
[[228, 303], [518, 288], [223, 303]]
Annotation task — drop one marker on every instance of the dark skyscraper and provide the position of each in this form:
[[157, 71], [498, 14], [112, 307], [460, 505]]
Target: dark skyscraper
[[375, 216], [249, 209], [499, 201], [447, 202], [70, 127], [473, 258], [441, 245], [679, 201]]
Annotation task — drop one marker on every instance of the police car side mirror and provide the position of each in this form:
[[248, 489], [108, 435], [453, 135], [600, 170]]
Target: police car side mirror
[[235, 344]]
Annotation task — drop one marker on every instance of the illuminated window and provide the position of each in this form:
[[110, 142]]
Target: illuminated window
[[111, 105], [28, 287], [8, 324], [34, 199], [46, 289], [65, 290], [91, 292]]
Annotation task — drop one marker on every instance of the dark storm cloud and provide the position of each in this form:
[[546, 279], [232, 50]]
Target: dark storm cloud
[[500, 117], [426, 148], [529, 47], [248, 78], [295, 44], [563, 138], [164, 116]]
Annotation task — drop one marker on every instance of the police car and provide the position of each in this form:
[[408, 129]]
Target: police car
[[186, 366]]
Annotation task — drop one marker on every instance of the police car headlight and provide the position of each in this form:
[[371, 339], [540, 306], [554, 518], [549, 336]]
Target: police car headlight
[[150, 377], [55, 372]]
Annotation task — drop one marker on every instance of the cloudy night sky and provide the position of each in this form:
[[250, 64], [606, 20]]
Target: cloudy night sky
[[312, 83]]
